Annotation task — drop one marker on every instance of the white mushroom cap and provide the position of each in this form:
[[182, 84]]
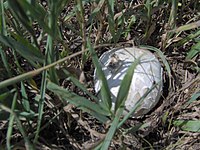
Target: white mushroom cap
[[148, 72]]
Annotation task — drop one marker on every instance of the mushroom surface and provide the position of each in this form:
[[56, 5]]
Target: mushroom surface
[[148, 72]]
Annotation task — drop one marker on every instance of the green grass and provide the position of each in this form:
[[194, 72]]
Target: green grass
[[40, 39]]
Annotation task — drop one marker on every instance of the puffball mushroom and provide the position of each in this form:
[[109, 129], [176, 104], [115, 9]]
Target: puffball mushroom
[[147, 74]]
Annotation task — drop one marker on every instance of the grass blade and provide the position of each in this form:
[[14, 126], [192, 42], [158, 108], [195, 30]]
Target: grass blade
[[36, 12], [188, 125], [42, 99], [79, 85], [112, 129], [105, 92], [19, 13], [11, 122], [173, 14], [50, 53], [188, 38], [171, 22], [136, 128], [32, 55], [188, 26], [111, 20], [119, 106], [28, 144], [25, 101], [195, 50], [163, 58], [125, 85], [41, 103], [194, 97], [5, 62], [74, 98], [161, 55], [3, 31], [2, 19], [96, 10], [78, 101], [33, 73]]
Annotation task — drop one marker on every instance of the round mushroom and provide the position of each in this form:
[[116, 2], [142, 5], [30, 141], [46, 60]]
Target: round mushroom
[[148, 72]]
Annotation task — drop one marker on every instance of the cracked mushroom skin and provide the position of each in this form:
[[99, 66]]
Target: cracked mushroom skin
[[148, 72]]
